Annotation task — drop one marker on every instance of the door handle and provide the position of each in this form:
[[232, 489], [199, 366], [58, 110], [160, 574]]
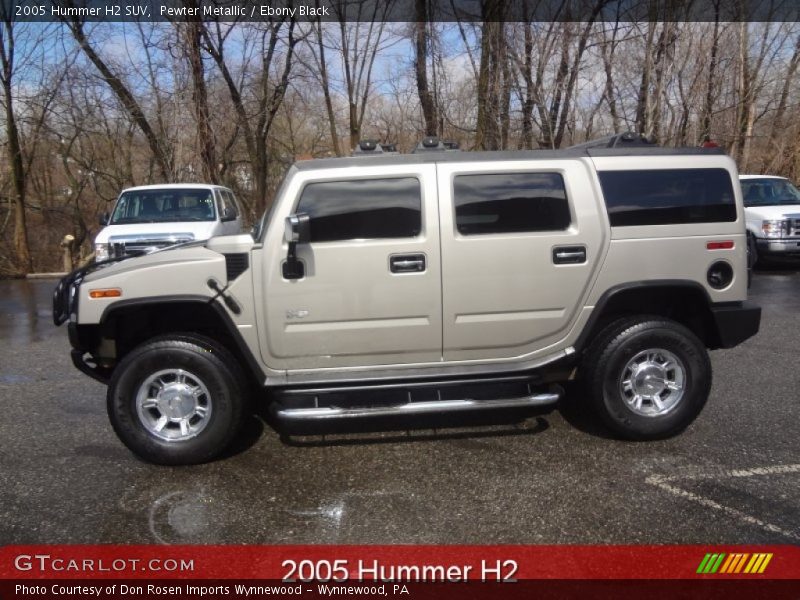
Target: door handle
[[569, 255], [407, 263]]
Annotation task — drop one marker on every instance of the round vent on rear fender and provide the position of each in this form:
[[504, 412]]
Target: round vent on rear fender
[[720, 275]]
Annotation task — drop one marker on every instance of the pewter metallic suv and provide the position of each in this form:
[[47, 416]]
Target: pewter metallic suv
[[432, 282]]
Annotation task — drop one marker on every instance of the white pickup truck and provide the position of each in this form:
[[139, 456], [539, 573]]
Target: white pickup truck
[[150, 217], [772, 211]]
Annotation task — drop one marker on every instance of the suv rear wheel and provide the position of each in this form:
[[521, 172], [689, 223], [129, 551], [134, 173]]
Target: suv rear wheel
[[177, 400], [647, 377]]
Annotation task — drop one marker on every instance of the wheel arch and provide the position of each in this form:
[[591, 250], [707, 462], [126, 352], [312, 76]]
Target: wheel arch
[[684, 301], [130, 323]]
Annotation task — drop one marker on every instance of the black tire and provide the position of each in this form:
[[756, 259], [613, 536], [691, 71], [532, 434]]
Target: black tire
[[607, 360], [752, 251], [207, 362]]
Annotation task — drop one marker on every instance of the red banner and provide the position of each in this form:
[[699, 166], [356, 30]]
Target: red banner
[[428, 564]]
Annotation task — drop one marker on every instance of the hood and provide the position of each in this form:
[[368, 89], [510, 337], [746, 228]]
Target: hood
[[769, 213], [189, 252], [184, 254], [201, 230]]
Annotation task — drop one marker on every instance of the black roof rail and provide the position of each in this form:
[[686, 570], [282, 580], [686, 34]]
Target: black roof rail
[[373, 148], [434, 144], [621, 140]]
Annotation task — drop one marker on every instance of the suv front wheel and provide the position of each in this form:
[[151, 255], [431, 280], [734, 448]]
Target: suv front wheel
[[177, 400], [647, 377]]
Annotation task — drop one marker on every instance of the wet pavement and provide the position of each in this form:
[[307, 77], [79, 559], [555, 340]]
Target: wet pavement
[[734, 476]]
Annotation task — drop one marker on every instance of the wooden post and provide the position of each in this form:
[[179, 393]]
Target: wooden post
[[66, 245]]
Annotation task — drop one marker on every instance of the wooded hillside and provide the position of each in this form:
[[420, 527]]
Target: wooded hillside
[[92, 108]]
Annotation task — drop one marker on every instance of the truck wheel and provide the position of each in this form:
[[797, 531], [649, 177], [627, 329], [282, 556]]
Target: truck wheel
[[752, 251], [647, 377], [177, 400]]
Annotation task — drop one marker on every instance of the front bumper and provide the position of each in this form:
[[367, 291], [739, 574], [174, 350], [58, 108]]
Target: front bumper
[[778, 246], [736, 322]]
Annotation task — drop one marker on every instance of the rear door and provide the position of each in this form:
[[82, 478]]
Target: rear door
[[371, 293], [520, 242]]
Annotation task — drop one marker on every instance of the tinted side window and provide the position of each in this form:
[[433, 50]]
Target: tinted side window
[[671, 196], [363, 209], [510, 202]]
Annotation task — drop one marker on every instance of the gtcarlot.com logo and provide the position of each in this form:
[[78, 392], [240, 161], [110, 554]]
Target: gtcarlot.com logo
[[720, 563]]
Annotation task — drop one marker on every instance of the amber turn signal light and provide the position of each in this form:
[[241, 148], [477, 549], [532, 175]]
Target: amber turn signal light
[[106, 293]]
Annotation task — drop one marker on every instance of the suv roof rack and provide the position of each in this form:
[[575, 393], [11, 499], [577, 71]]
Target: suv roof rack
[[373, 148], [434, 144], [620, 140]]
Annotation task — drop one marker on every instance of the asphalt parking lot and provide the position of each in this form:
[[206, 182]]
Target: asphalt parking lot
[[733, 477]]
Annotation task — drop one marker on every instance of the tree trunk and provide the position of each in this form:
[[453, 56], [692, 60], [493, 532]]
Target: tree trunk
[[487, 135], [526, 141], [607, 49], [708, 106], [21, 246], [205, 136], [421, 45], [643, 101], [326, 91]]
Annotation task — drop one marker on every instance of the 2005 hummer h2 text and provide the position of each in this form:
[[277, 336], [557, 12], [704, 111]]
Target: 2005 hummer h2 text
[[404, 280]]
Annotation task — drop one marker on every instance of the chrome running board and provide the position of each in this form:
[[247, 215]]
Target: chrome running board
[[414, 408]]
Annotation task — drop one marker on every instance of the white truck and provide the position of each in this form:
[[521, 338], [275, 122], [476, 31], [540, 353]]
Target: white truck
[[772, 210], [150, 217]]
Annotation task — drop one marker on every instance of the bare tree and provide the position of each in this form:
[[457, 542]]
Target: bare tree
[[159, 148], [15, 158], [258, 93], [192, 34], [427, 99]]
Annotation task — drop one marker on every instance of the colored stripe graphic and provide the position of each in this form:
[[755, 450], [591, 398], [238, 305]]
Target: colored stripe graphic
[[710, 563], [701, 568], [767, 558], [727, 564], [736, 562]]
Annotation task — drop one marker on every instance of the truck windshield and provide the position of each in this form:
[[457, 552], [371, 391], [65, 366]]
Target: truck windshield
[[769, 192], [164, 206]]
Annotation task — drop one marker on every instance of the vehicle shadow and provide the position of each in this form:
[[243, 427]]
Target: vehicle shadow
[[251, 432], [574, 408], [778, 265]]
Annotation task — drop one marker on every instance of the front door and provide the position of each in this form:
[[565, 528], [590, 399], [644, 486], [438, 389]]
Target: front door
[[371, 289]]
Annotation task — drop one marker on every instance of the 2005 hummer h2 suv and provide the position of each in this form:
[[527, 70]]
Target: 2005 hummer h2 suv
[[615, 263]]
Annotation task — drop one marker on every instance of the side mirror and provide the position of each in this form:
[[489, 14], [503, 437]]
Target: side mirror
[[228, 214], [103, 220], [297, 231]]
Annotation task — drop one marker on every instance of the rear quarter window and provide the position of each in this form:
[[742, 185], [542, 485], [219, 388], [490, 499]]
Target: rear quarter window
[[668, 196]]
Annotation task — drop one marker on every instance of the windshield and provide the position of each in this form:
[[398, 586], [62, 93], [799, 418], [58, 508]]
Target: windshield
[[164, 206], [769, 192]]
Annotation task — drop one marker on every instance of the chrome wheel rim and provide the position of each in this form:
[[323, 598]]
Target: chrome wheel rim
[[173, 405], [653, 382]]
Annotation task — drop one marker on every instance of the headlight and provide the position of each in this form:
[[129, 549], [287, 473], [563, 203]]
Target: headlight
[[101, 252], [775, 228]]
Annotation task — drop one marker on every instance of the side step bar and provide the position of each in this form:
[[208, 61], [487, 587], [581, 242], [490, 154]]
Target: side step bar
[[413, 408]]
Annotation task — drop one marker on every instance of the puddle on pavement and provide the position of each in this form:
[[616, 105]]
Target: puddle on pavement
[[25, 313]]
